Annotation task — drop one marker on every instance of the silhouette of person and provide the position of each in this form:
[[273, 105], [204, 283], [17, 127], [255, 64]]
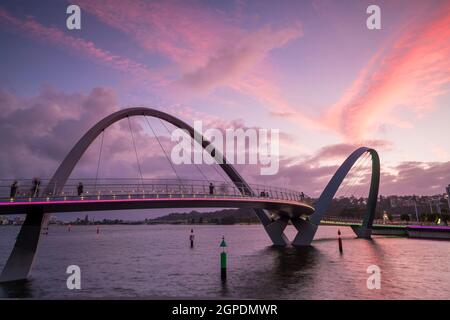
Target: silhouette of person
[[211, 188], [302, 196], [35, 187], [14, 189], [80, 189]]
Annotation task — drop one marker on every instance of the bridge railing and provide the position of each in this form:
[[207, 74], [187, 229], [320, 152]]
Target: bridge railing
[[141, 188], [353, 220]]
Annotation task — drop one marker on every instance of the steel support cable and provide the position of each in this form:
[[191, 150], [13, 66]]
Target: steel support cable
[[196, 165], [220, 173], [135, 151], [350, 180], [360, 173], [358, 188], [99, 159], [354, 177], [345, 184], [348, 184], [214, 166], [163, 150], [358, 176]]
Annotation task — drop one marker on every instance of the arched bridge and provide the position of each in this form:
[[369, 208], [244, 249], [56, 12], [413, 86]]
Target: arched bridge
[[274, 207]]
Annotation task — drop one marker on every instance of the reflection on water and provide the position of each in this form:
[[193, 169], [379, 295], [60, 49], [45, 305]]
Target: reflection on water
[[157, 261], [286, 268], [16, 289]]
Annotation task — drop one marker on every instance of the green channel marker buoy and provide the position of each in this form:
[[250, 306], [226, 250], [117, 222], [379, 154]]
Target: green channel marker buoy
[[223, 259]]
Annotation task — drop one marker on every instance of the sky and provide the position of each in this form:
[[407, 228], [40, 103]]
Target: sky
[[311, 69]]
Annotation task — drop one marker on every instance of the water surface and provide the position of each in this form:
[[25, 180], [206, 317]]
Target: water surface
[[156, 262]]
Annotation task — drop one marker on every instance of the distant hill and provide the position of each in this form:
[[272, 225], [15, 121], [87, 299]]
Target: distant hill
[[226, 216]]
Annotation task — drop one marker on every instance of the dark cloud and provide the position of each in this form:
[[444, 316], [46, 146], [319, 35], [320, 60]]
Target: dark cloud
[[343, 150], [417, 178], [37, 133], [311, 175]]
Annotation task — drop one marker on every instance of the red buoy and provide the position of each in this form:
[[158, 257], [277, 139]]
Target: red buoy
[[340, 241]]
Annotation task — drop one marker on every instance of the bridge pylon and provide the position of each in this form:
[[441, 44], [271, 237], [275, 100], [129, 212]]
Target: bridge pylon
[[305, 232], [20, 261], [307, 228], [275, 231], [362, 232]]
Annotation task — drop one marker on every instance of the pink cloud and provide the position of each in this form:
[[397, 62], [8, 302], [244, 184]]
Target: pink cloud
[[210, 48], [267, 92], [339, 152], [33, 29], [411, 74], [239, 57], [183, 31], [39, 131]]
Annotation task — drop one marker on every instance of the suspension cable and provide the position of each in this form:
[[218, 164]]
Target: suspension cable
[[219, 171], [360, 174], [357, 194], [354, 178], [135, 151], [349, 181], [361, 187], [163, 150], [196, 165], [344, 189], [99, 159]]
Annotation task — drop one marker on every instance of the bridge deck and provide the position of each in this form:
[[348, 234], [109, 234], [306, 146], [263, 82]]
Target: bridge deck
[[289, 208]]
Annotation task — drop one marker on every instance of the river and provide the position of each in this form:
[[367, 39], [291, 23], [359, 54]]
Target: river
[[155, 261]]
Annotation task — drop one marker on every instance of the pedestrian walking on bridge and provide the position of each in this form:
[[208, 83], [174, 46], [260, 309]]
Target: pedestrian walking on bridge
[[35, 187], [14, 189], [80, 189]]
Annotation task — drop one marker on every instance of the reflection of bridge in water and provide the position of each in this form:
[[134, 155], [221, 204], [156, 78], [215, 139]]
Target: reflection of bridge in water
[[275, 207]]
